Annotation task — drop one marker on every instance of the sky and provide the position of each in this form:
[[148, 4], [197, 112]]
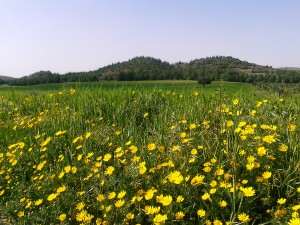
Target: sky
[[82, 35]]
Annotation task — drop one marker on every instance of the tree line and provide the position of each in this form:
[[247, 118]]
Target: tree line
[[148, 68]]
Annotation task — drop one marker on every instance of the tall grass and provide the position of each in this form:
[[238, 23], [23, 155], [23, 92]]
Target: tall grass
[[133, 154]]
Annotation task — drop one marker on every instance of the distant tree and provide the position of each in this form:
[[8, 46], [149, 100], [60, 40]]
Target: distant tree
[[204, 80]]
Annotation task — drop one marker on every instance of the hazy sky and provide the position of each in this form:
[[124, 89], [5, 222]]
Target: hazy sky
[[82, 35]]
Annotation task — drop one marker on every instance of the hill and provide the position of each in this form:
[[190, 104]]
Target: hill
[[148, 68], [138, 68], [5, 79]]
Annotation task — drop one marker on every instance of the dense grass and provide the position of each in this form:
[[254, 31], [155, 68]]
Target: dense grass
[[141, 85], [171, 152]]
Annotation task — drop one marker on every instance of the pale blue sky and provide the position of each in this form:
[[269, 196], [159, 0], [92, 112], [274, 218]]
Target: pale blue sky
[[81, 35]]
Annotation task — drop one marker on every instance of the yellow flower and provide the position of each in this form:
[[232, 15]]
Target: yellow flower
[[248, 192], [61, 189], [250, 159], [213, 183], [294, 221], [38, 202], [283, 148], [81, 216], [150, 210], [205, 196], [109, 170], [220, 172], [179, 199], [207, 169], [269, 139], [266, 175], [159, 198], [222, 203], [227, 176], [121, 194], [167, 200], [261, 151], [179, 215], [149, 193], [107, 157], [60, 132], [201, 213], [160, 219], [250, 166], [14, 162], [175, 148], [79, 138], [72, 91], [242, 123], [292, 127], [67, 169], [74, 169], [28, 205], [175, 177], [111, 195], [133, 149], [41, 165], [197, 180], [51, 197], [44, 143], [235, 101], [217, 222], [229, 123], [61, 175], [62, 217], [192, 160], [79, 157], [119, 203], [89, 155], [145, 115], [129, 216], [20, 214], [151, 147], [192, 126], [252, 113], [243, 217], [100, 197], [87, 135], [80, 206], [296, 207], [242, 152], [194, 151], [281, 201], [244, 181], [212, 191]]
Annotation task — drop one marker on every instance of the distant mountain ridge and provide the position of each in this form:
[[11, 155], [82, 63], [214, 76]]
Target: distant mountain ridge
[[213, 68], [6, 78]]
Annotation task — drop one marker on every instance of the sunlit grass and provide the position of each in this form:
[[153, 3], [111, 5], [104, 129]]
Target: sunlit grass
[[132, 154]]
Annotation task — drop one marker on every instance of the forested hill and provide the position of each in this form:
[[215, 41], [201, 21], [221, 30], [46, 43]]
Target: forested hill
[[148, 68], [5, 79]]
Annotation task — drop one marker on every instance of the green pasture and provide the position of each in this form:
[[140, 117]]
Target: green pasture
[[231, 88], [151, 152]]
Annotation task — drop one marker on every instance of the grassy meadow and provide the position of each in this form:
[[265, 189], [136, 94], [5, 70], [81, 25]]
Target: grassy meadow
[[160, 152]]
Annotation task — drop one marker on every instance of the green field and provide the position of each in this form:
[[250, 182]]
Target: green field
[[156, 152]]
